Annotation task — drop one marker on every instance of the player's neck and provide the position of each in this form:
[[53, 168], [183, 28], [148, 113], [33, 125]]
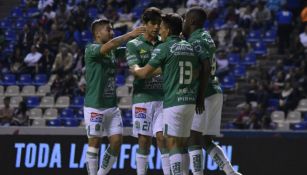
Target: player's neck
[[150, 38], [193, 29]]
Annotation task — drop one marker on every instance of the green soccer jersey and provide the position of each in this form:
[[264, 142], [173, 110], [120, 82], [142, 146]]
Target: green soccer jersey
[[205, 48], [180, 71], [100, 71], [144, 90]]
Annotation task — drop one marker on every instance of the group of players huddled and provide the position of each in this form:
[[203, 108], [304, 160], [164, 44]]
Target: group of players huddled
[[176, 95]]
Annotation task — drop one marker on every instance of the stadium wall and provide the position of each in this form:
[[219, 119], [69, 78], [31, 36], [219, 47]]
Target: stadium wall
[[61, 151]]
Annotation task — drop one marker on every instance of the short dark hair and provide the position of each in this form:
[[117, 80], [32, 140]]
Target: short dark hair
[[198, 15], [173, 21], [151, 14], [99, 22]]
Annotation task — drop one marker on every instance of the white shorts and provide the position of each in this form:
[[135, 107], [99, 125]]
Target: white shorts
[[177, 120], [209, 122], [147, 118], [103, 122]]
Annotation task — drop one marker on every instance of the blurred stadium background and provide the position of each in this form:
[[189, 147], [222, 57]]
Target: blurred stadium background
[[261, 58]]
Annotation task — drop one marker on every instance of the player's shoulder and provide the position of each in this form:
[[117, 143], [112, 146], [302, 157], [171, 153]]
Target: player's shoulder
[[91, 47], [135, 42]]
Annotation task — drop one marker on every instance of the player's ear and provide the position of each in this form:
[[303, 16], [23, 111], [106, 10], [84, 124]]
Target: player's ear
[[168, 31]]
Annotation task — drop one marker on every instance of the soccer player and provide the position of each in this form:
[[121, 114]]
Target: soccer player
[[147, 94], [179, 66], [101, 116], [207, 123]]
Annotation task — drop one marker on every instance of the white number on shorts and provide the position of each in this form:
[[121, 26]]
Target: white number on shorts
[[146, 126], [186, 72]]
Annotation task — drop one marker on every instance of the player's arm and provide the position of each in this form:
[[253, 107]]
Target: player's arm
[[142, 72], [203, 82], [158, 71], [205, 53], [116, 42], [154, 63]]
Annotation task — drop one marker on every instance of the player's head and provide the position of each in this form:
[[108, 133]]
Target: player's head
[[171, 25], [151, 19], [195, 18], [102, 30]]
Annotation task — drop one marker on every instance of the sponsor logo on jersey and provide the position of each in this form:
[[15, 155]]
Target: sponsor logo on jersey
[[96, 117], [140, 112]]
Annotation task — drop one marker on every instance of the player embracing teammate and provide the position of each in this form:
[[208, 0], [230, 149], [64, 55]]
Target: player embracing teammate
[[169, 107]]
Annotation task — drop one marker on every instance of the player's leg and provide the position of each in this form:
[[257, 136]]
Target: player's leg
[[161, 140], [93, 121], [142, 154], [142, 128], [113, 129], [195, 144], [161, 143], [177, 125], [213, 106]]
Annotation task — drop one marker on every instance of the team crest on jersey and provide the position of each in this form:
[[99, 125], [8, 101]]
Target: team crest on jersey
[[96, 117], [140, 112], [137, 125]]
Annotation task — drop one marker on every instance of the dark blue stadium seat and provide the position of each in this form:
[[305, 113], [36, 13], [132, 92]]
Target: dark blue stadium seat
[[269, 36], [9, 79], [20, 23], [40, 79], [93, 13], [54, 122], [260, 48], [31, 12], [218, 23], [127, 118], [86, 35], [25, 79], [228, 82], [5, 24], [299, 126], [145, 3], [274, 103], [16, 12], [137, 12], [79, 114], [240, 71], [253, 36], [67, 113], [32, 102], [250, 59], [10, 35], [71, 122], [234, 58], [120, 80], [77, 102], [9, 48]]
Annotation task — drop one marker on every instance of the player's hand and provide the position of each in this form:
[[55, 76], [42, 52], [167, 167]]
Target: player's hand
[[200, 105], [137, 31], [133, 69]]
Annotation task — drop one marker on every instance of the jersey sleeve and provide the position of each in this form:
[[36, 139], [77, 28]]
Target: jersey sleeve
[[92, 52], [132, 54], [158, 56]]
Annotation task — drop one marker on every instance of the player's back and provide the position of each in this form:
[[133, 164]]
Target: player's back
[[180, 71], [205, 48]]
